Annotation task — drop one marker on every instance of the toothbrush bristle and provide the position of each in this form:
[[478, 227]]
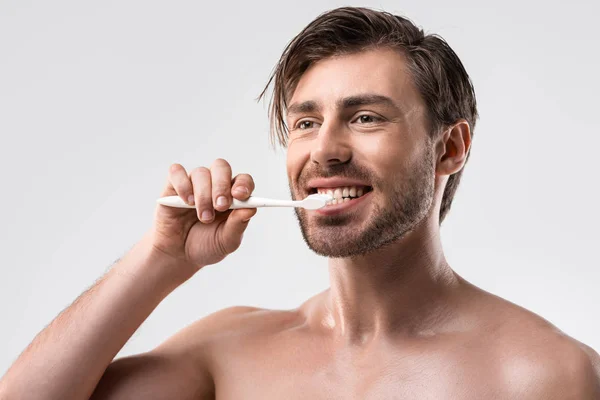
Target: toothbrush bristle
[[316, 201]]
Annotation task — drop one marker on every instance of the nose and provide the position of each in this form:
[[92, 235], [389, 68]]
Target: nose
[[331, 146]]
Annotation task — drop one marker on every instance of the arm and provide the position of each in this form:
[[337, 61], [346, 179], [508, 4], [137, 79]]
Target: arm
[[174, 370], [577, 379], [67, 359], [583, 372], [571, 372], [177, 369]]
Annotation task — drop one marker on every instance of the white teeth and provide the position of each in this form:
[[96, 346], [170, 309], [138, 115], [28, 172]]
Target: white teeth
[[342, 194]]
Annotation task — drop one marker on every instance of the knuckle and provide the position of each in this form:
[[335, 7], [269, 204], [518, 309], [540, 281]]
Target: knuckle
[[248, 178], [174, 168], [200, 172], [221, 163], [250, 182], [221, 188], [202, 200], [244, 180], [183, 190], [181, 184]]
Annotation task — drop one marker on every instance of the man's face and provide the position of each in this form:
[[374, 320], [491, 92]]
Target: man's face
[[358, 126]]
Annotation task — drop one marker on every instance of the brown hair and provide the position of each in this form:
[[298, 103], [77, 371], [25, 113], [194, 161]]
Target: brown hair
[[437, 72]]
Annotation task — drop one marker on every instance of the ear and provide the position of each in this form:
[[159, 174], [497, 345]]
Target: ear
[[453, 148]]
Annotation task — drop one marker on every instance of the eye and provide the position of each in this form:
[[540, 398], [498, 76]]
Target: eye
[[367, 119], [305, 124]]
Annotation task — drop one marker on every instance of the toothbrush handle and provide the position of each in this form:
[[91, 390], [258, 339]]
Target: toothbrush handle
[[252, 202], [256, 202]]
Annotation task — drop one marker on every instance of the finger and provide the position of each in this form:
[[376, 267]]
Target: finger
[[242, 186], [178, 183], [221, 184], [202, 194], [234, 227]]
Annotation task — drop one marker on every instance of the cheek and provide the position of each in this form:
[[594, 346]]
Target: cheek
[[384, 155], [295, 161]]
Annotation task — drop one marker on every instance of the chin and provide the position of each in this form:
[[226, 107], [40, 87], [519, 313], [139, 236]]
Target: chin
[[347, 241], [343, 236], [335, 245]]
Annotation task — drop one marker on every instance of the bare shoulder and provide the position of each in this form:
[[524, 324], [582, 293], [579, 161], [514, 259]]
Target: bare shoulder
[[233, 333], [183, 366], [555, 367], [535, 359], [230, 324]]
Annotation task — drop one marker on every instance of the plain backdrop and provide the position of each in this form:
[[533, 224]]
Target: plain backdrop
[[97, 99]]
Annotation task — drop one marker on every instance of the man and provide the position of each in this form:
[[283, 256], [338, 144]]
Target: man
[[382, 117]]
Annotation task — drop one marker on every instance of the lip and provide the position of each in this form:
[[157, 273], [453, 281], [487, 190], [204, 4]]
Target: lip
[[340, 208]]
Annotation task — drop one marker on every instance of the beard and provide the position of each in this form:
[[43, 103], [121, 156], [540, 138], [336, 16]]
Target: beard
[[406, 202]]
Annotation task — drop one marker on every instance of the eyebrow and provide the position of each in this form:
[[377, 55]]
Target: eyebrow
[[347, 102], [304, 107], [365, 100]]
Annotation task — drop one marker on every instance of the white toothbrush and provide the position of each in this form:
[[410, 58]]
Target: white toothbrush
[[312, 202]]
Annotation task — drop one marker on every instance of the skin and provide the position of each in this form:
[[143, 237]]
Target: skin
[[397, 321]]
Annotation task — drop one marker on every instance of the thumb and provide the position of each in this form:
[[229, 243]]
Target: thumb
[[233, 228]]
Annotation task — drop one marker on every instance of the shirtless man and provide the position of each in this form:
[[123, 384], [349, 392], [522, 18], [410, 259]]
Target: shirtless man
[[391, 127]]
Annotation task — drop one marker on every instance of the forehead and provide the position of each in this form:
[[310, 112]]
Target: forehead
[[380, 71]]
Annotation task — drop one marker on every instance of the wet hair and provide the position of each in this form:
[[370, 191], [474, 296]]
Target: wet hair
[[437, 72]]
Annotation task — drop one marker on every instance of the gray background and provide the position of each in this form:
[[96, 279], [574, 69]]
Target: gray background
[[97, 99]]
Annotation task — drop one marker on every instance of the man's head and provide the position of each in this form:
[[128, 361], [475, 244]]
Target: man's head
[[364, 99]]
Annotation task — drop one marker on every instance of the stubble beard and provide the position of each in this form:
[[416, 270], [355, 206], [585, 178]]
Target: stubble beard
[[406, 203]]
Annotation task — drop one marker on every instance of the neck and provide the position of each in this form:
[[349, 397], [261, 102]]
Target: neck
[[402, 287]]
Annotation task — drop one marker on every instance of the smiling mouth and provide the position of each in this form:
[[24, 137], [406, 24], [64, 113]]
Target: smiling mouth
[[342, 194]]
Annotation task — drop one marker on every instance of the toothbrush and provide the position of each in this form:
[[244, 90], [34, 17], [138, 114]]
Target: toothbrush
[[312, 202]]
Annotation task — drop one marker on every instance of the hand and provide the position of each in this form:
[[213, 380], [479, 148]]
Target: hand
[[205, 235]]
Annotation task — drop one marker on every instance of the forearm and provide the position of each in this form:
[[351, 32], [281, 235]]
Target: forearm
[[68, 358]]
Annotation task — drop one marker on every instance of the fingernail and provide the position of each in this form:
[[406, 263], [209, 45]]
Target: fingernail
[[191, 200], [206, 215], [240, 190], [221, 201]]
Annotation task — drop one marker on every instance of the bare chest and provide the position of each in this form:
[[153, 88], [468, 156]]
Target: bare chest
[[307, 373]]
